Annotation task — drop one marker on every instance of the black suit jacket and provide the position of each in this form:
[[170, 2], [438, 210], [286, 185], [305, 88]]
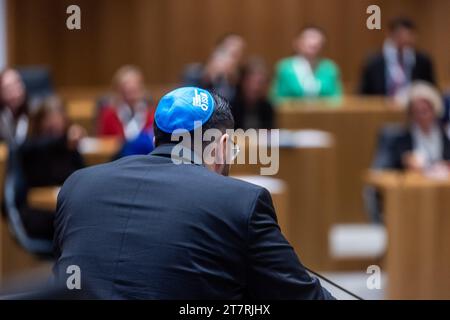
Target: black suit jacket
[[373, 80], [145, 228], [402, 143]]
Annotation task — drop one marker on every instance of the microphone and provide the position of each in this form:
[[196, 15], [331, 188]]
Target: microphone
[[334, 284]]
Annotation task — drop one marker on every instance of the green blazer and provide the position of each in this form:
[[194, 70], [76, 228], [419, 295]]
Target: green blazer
[[287, 86]]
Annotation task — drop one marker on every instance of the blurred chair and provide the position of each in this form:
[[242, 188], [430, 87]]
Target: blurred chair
[[382, 160], [14, 195], [38, 82]]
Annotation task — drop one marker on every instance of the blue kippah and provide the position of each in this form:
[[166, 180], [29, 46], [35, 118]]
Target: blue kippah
[[184, 108]]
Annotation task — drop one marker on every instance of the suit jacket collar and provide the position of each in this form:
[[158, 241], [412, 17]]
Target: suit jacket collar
[[183, 154]]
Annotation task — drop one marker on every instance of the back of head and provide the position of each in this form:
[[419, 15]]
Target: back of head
[[196, 121], [221, 118]]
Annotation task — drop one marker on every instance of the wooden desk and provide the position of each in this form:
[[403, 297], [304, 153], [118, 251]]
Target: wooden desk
[[417, 215], [43, 198], [309, 173], [83, 113], [99, 150], [354, 122]]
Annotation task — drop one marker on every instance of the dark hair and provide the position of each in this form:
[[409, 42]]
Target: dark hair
[[401, 23], [221, 119]]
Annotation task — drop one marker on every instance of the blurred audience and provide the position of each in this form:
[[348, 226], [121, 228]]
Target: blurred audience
[[130, 114], [398, 64], [48, 157], [13, 108], [221, 72], [307, 74], [251, 107], [423, 145]]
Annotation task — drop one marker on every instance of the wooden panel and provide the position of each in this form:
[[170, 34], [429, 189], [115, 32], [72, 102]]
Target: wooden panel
[[163, 35], [355, 124], [417, 220]]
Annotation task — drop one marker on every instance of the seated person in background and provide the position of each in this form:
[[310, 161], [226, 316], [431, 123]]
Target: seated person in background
[[13, 108], [222, 71], [424, 144], [398, 64], [130, 116], [307, 74], [48, 157], [251, 107]]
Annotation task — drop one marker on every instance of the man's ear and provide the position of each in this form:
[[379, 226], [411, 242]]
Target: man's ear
[[222, 150]]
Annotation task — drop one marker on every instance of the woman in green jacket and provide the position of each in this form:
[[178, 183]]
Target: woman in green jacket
[[306, 75]]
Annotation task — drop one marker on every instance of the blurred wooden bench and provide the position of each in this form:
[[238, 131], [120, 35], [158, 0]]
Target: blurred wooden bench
[[416, 210]]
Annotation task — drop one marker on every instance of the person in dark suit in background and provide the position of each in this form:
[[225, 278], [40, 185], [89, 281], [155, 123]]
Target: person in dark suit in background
[[424, 143], [251, 107], [171, 226], [398, 64]]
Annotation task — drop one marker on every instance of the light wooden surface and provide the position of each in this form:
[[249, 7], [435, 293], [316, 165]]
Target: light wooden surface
[[43, 198], [309, 174], [83, 113], [99, 150], [354, 122], [417, 215]]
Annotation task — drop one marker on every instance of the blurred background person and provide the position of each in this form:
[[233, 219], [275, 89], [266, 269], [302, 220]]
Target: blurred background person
[[398, 64], [251, 108], [307, 74], [129, 116], [424, 143], [48, 156], [13, 108], [221, 73]]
